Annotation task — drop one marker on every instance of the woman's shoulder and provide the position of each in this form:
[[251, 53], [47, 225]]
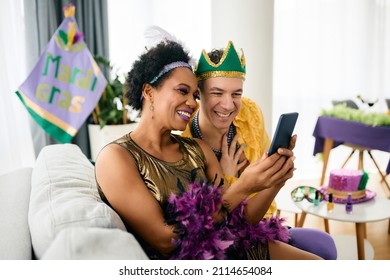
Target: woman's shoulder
[[110, 153], [115, 150]]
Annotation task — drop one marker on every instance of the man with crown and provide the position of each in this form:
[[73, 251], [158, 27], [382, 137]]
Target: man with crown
[[234, 128]]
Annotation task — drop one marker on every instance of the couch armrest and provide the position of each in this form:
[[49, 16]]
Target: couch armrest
[[15, 240], [80, 243]]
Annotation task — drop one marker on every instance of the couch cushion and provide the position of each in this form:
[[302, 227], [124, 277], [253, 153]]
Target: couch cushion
[[15, 241], [64, 195], [94, 244]]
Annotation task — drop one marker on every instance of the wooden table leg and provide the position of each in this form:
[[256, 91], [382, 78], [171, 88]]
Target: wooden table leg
[[379, 170], [360, 232], [328, 145], [389, 227], [348, 158], [326, 224], [301, 219], [360, 162]]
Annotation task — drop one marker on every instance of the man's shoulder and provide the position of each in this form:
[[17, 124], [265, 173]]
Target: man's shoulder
[[249, 108]]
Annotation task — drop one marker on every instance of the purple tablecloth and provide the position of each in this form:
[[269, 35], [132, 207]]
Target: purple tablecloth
[[351, 132]]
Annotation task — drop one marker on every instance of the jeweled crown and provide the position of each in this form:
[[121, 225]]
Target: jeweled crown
[[231, 65]]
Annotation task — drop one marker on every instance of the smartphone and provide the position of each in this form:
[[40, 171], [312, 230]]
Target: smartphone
[[283, 132]]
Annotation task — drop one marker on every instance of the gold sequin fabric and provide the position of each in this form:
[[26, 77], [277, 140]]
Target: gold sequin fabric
[[258, 252], [161, 177]]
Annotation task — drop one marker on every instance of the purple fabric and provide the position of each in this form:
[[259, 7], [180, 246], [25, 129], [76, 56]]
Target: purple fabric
[[199, 238], [351, 132], [314, 241]]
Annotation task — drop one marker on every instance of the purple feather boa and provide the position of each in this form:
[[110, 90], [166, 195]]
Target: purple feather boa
[[200, 238]]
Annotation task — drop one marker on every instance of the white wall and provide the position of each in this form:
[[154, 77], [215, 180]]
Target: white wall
[[249, 24], [188, 21]]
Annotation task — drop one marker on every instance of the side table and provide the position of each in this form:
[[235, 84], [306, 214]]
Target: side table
[[374, 210]]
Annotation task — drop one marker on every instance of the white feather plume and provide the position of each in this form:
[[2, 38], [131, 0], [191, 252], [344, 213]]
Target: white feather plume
[[155, 34]]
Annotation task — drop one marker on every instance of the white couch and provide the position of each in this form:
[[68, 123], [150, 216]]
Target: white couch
[[53, 211]]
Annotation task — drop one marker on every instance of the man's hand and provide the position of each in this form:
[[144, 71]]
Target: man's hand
[[232, 161]]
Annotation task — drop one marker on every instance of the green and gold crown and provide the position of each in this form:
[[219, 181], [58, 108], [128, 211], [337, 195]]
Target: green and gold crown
[[231, 65]]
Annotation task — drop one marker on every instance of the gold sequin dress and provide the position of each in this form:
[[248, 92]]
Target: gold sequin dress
[[162, 179]]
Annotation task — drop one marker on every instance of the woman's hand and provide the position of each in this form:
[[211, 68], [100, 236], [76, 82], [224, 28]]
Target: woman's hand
[[262, 173], [232, 161], [270, 171], [286, 173], [290, 155], [267, 174]]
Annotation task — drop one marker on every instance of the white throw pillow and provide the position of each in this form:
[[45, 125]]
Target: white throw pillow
[[64, 195]]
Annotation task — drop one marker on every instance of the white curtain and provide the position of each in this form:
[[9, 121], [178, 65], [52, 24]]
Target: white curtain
[[328, 50], [16, 148]]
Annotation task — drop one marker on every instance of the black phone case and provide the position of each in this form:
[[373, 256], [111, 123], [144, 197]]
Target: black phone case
[[283, 132]]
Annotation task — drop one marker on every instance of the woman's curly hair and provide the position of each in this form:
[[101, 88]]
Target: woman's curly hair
[[148, 66]]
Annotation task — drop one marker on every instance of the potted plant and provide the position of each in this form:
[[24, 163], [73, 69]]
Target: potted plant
[[112, 117]]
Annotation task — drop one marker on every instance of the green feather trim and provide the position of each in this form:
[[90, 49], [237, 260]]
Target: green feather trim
[[363, 181], [341, 111], [63, 36]]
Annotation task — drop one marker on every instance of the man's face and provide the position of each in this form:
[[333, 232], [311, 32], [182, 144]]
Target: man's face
[[221, 100]]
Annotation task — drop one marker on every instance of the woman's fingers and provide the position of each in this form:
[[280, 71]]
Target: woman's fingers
[[288, 152], [293, 141], [285, 173], [271, 171]]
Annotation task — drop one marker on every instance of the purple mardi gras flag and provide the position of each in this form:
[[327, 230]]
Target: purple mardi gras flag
[[66, 83]]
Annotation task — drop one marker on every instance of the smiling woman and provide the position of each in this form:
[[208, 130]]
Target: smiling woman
[[132, 172]]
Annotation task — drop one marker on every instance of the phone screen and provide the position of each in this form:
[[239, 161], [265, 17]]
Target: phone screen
[[283, 132]]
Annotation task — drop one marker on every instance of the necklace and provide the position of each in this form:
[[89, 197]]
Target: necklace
[[195, 131]]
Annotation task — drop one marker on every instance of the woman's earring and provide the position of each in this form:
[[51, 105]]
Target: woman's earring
[[151, 108]]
